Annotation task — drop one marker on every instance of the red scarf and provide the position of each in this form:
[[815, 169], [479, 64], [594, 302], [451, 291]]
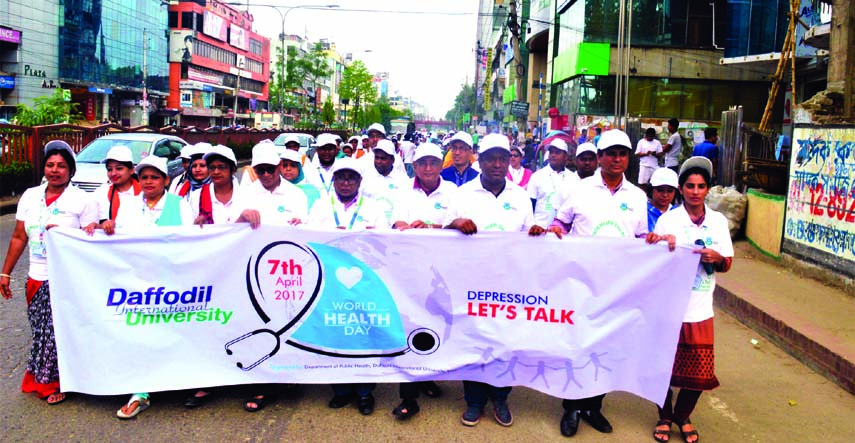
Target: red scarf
[[206, 207], [185, 188], [114, 198]]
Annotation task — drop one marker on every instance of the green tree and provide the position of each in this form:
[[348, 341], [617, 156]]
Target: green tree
[[328, 113], [381, 111], [357, 87], [464, 104], [47, 110], [313, 67]]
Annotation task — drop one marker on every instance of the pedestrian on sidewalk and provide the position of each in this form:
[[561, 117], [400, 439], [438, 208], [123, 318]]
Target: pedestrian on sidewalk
[[41, 208], [694, 223]]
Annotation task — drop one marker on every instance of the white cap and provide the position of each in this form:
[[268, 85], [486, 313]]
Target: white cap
[[427, 150], [377, 127], [58, 145], [224, 151], [614, 138], [586, 147], [557, 143], [697, 162], [122, 154], [364, 137], [152, 161], [265, 155], [201, 148], [326, 139], [291, 138], [346, 163], [186, 151], [386, 146], [664, 176], [290, 155], [464, 137], [352, 138], [494, 141]]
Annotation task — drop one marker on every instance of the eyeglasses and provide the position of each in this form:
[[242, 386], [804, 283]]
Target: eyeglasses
[[461, 148], [516, 155], [264, 169], [218, 167]]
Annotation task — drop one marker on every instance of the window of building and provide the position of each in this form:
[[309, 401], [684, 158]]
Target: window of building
[[255, 47], [172, 20], [200, 22], [186, 20]]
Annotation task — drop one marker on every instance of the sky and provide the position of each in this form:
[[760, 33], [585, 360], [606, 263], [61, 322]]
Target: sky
[[427, 47]]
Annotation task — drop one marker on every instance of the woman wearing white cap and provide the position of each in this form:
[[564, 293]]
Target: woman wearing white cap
[[663, 189], [123, 185], [692, 224], [154, 207], [219, 201], [292, 170], [196, 175], [40, 208]]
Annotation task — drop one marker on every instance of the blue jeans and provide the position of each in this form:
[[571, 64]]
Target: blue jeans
[[360, 389], [476, 393]]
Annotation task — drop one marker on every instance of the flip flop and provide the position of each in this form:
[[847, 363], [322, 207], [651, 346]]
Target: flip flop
[[142, 405], [52, 400], [260, 402], [406, 410]]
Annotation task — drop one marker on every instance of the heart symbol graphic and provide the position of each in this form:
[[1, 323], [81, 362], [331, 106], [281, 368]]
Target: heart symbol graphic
[[348, 277]]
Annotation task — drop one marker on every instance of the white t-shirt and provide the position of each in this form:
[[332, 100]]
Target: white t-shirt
[[545, 187], [279, 207], [137, 216], [409, 150], [594, 211], [74, 208], [644, 147], [329, 212], [672, 157], [414, 204], [223, 213], [384, 191], [101, 196], [510, 211], [716, 235], [320, 177]]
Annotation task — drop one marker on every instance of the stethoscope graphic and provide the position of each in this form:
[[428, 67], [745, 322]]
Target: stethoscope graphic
[[421, 341]]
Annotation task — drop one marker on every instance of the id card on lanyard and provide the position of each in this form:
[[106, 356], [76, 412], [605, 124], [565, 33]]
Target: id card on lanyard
[[352, 219], [324, 181], [36, 232]]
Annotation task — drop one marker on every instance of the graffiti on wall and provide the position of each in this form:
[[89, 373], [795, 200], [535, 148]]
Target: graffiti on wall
[[821, 200]]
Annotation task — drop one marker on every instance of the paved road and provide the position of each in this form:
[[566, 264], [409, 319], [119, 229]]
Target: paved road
[[766, 396]]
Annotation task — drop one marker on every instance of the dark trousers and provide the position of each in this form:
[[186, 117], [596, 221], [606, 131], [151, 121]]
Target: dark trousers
[[584, 404], [686, 401], [408, 390], [476, 393], [360, 389]]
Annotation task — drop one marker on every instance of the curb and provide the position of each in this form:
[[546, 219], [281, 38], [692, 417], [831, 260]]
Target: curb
[[826, 362]]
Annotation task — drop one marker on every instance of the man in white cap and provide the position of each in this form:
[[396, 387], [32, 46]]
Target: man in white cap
[[603, 205], [292, 143], [461, 172], [490, 203], [408, 151], [320, 175], [277, 201], [546, 184], [381, 182], [647, 150], [586, 160], [424, 201], [346, 206]]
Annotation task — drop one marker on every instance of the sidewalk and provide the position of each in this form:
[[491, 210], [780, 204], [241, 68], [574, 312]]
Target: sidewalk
[[810, 321], [9, 205]]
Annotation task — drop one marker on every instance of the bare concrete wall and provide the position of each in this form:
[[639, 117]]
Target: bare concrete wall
[[690, 64]]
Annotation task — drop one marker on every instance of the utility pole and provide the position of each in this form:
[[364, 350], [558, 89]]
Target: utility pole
[[144, 119], [237, 92], [841, 63]]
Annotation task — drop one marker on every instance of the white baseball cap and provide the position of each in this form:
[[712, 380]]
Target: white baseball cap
[[494, 141], [291, 138], [221, 150], [201, 148], [345, 164], [59, 145], [326, 139], [186, 151], [352, 138], [697, 162], [152, 161], [464, 137], [377, 127], [558, 143], [265, 154], [664, 176], [290, 155], [386, 146], [121, 154], [427, 150], [586, 147], [614, 138]]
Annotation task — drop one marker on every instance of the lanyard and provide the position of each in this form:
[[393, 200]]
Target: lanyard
[[352, 219], [324, 182]]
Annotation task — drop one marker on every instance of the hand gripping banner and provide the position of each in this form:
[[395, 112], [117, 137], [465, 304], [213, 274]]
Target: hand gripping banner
[[187, 307]]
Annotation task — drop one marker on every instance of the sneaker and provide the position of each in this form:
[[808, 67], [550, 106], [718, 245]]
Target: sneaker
[[471, 416], [502, 413]]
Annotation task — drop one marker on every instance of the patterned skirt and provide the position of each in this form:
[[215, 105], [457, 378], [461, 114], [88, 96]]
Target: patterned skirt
[[42, 376], [694, 365]]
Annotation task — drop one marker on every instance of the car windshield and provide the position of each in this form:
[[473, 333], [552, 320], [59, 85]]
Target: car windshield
[[280, 141], [97, 150]]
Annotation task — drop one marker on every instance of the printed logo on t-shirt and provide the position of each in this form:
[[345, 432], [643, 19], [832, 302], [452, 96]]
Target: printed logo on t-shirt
[[437, 205], [281, 208], [624, 206], [507, 206]]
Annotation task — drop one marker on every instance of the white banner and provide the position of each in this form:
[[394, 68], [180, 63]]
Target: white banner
[[188, 307]]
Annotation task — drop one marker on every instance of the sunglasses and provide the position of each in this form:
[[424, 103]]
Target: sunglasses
[[264, 169], [516, 155]]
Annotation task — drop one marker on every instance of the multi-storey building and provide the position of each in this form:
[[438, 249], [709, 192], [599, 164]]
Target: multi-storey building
[[213, 55]]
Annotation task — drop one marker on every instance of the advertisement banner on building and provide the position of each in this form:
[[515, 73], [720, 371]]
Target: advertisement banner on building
[[229, 305], [10, 35], [238, 37], [215, 26], [181, 46], [214, 79], [821, 199], [7, 82]]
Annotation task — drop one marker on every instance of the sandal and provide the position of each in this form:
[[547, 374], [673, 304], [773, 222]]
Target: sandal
[[260, 401], [431, 389], [141, 405], [662, 435], [55, 398], [687, 434], [406, 410]]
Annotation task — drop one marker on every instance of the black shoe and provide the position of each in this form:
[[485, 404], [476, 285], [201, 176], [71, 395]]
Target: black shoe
[[365, 404], [194, 401], [569, 423], [340, 401], [597, 421], [408, 408]]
